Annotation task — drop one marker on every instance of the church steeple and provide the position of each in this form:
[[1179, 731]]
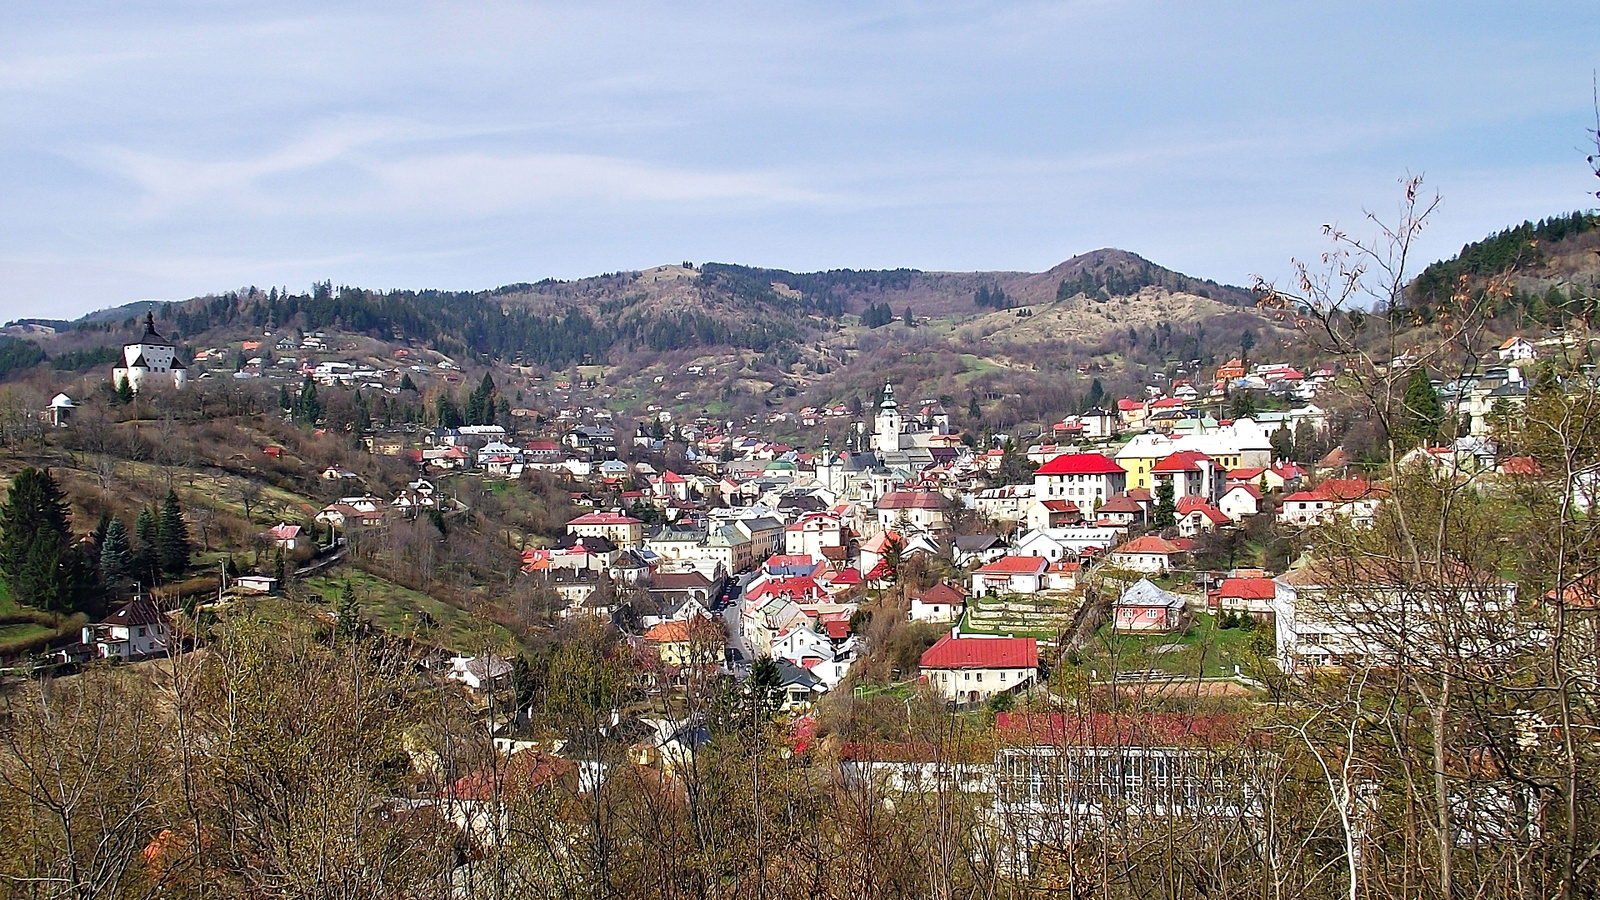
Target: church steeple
[[888, 397]]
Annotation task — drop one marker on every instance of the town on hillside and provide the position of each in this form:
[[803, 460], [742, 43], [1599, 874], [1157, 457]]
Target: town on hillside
[[1135, 576]]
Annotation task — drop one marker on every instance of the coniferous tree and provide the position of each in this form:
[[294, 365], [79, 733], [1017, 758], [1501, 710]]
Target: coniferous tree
[[307, 408], [406, 384], [172, 537], [124, 391], [348, 612], [1422, 414], [146, 558], [481, 403], [445, 412], [1166, 512], [1282, 443], [35, 541], [285, 403], [116, 554]]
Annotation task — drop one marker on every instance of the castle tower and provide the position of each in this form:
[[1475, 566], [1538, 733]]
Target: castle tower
[[888, 423]]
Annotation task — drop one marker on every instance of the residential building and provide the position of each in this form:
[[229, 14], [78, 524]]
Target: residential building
[[971, 670], [1087, 479], [941, 603], [622, 530], [1144, 607], [1010, 575]]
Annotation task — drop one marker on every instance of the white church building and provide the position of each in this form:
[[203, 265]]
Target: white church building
[[152, 360]]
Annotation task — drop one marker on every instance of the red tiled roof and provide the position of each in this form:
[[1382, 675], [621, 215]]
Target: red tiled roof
[[942, 593], [605, 518], [1181, 461], [1246, 588], [1112, 730], [1121, 503], [524, 770], [880, 542], [1080, 464], [1015, 565], [1149, 544], [982, 653], [1060, 505], [678, 632], [911, 500]]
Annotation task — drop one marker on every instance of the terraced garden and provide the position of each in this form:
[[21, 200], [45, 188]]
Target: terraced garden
[[1043, 615]]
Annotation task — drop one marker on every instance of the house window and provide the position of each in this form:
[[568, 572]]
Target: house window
[[141, 631], [966, 676]]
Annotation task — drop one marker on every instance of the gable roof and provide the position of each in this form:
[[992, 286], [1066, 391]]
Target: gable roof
[[1247, 588], [1016, 565], [1181, 461], [1150, 544], [911, 500], [982, 653], [1145, 595], [942, 593]]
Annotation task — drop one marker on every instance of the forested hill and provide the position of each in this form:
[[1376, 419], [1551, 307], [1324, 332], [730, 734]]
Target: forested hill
[[558, 323], [1552, 266]]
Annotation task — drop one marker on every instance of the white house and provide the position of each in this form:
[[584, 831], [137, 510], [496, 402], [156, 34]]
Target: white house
[[1364, 612], [1150, 554], [479, 672], [133, 630], [1010, 575], [1516, 349], [940, 603], [971, 670], [1083, 478], [1240, 501]]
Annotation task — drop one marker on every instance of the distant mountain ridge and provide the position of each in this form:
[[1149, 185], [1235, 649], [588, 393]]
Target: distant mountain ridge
[[557, 323]]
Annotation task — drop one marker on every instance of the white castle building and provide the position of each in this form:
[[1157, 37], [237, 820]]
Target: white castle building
[[152, 360]]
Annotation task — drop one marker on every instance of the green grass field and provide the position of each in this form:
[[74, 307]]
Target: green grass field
[[401, 611], [1206, 651]]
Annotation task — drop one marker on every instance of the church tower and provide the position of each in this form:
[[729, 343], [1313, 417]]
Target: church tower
[[888, 424]]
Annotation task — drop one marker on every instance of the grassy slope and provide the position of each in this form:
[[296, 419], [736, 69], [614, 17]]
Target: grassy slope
[[401, 611]]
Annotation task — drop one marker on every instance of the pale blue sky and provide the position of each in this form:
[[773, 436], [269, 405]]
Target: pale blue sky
[[162, 150]]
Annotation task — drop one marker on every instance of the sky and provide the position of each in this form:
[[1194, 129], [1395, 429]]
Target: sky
[[168, 150]]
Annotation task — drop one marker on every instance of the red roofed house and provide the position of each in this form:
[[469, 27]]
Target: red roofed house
[[925, 510], [284, 536], [1122, 509], [971, 670], [941, 603], [1195, 515], [476, 801], [1244, 595], [1191, 474], [1053, 514], [1149, 554], [624, 531], [1239, 501], [1010, 575], [681, 643], [1062, 575], [874, 550], [1349, 498], [1083, 478]]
